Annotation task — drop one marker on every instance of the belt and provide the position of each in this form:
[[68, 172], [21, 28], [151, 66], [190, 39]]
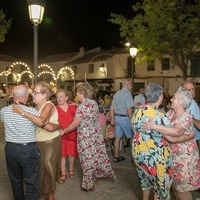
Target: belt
[[21, 144], [121, 115]]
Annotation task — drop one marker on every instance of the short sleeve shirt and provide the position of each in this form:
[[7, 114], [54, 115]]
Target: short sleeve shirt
[[194, 111], [121, 101]]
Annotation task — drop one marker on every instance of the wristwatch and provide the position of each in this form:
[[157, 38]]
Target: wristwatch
[[22, 113]]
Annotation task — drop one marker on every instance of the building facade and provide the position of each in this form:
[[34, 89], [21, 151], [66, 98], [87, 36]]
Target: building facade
[[104, 69]]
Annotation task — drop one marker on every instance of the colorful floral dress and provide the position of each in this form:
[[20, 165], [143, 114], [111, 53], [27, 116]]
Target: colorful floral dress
[[92, 152], [151, 152], [185, 157]]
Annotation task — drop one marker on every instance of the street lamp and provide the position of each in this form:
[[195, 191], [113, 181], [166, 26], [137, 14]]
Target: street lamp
[[133, 53], [36, 12]]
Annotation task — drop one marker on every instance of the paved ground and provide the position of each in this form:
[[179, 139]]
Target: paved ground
[[125, 187]]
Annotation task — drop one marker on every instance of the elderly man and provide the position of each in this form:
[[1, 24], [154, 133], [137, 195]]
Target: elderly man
[[193, 109], [121, 114], [21, 152]]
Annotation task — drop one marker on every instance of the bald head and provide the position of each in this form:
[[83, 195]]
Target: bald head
[[189, 85], [127, 84], [20, 93]]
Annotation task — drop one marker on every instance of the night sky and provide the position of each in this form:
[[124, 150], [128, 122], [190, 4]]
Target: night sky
[[67, 26]]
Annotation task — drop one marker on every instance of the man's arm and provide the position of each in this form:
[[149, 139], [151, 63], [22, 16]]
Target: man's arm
[[196, 123], [130, 112], [112, 115]]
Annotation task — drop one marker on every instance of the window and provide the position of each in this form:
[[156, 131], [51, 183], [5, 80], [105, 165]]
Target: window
[[165, 63], [108, 88], [195, 64], [150, 65], [91, 68], [137, 87], [74, 69]]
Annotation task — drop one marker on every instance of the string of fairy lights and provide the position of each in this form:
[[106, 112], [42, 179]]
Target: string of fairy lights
[[46, 69]]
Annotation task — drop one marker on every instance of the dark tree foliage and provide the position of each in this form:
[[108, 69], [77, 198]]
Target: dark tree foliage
[[4, 26], [164, 27]]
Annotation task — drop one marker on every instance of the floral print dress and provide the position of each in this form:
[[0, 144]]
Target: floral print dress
[[92, 152], [151, 152], [185, 157]]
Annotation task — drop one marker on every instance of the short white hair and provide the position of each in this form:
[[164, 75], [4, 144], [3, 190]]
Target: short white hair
[[185, 95]]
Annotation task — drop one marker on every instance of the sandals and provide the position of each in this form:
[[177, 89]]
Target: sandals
[[71, 175], [87, 190], [119, 159], [62, 179]]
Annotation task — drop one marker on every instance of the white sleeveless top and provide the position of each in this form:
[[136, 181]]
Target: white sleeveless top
[[43, 135]]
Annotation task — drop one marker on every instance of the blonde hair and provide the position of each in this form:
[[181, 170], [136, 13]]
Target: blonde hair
[[86, 89], [45, 89], [64, 91]]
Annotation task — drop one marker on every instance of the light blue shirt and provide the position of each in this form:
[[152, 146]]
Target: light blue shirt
[[121, 101], [194, 111]]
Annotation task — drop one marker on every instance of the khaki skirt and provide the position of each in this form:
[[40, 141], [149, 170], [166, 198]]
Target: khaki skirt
[[50, 161]]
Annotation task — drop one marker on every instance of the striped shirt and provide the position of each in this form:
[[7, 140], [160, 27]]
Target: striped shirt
[[18, 129]]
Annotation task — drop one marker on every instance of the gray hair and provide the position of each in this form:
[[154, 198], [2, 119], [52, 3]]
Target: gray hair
[[20, 91], [86, 89], [125, 82], [153, 91], [185, 95], [45, 88]]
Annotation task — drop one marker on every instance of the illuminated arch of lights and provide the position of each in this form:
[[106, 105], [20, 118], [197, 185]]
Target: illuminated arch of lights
[[27, 72], [51, 71], [47, 66], [66, 68], [5, 73], [47, 72], [17, 76], [31, 75], [18, 63]]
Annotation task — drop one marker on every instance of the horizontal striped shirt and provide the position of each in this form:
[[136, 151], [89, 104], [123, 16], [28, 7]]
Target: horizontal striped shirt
[[18, 129]]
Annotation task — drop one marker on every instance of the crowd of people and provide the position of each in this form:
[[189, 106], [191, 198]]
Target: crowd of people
[[54, 129]]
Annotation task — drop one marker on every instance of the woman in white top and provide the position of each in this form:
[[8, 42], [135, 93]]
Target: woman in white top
[[49, 142]]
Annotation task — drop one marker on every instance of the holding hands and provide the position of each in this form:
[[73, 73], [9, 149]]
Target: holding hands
[[62, 132]]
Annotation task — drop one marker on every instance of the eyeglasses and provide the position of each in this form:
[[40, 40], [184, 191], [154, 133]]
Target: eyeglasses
[[35, 93], [191, 89], [131, 84]]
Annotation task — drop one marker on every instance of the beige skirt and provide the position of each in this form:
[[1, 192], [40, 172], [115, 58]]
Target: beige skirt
[[50, 161]]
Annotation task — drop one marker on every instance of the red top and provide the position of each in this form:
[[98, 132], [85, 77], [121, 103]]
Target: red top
[[69, 140]]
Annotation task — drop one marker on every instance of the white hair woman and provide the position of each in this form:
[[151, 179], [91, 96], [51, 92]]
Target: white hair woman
[[185, 153]]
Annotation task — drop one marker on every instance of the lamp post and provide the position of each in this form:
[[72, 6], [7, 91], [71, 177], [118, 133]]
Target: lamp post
[[133, 53], [36, 12]]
